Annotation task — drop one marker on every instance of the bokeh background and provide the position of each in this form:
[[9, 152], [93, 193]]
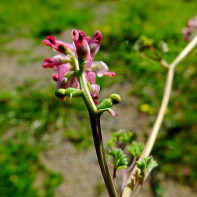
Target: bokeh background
[[46, 148]]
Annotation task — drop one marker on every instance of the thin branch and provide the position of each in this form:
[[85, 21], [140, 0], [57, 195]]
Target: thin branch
[[137, 190], [114, 174], [167, 91], [125, 173], [164, 63], [132, 164], [124, 178]]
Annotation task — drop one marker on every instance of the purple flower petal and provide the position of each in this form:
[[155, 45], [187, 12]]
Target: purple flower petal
[[55, 61], [81, 45], [58, 45], [100, 68]]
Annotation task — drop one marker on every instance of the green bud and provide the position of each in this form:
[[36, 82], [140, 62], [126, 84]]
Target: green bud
[[60, 93], [115, 98], [70, 92], [106, 103]]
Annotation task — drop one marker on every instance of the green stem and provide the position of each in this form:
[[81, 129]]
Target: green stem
[[97, 136], [96, 132]]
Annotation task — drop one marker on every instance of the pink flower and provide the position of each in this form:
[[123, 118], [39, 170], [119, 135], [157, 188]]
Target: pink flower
[[94, 43], [191, 29], [83, 50], [100, 68], [55, 61], [81, 45], [58, 45]]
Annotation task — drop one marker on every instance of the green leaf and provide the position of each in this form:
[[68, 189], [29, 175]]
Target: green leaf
[[126, 137], [146, 165], [136, 149], [120, 160], [111, 142], [121, 136]]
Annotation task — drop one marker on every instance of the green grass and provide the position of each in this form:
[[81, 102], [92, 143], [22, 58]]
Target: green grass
[[21, 168], [27, 114]]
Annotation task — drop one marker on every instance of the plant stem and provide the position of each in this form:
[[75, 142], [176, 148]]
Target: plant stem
[[125, 173], [167, 91], [97, 136], [114, 174]]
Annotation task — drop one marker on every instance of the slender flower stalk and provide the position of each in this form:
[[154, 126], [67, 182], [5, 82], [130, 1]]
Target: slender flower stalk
[[98, 141], [76, 76], [152, 137]]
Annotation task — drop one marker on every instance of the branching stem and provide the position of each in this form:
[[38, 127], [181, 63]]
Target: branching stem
[[166, 96]]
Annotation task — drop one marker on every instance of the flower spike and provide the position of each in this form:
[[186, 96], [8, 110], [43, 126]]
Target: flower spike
[[77, 59]]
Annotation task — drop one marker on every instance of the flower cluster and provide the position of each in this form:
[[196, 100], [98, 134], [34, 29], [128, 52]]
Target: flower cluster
[[191, 29], [77, 58]]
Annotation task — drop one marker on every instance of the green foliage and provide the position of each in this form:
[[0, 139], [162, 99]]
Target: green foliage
[[120, 137], [119, 158], [146, 165], [135, 149], [175, 157], [28, 111], [21, 169], [51, 17]]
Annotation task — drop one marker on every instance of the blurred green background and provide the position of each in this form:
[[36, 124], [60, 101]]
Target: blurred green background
[[30, 114]]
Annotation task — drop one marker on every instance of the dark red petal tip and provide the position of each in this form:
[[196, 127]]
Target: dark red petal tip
[[51, 39]]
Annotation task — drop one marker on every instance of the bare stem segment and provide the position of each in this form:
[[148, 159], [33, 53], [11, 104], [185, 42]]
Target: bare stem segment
[[97, 136]]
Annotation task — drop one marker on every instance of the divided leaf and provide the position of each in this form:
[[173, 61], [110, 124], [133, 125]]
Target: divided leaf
[[136, 149], [121, 137], [120, 160], [126, 138], [146, 165]]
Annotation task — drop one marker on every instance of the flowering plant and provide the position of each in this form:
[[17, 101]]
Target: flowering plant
[[76, 72], [190, 31], [75, 60]]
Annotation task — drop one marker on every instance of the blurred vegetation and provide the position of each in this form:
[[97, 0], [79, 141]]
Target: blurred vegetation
[[28, 115]]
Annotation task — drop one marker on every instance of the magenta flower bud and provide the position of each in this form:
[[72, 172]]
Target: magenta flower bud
[[191, 29], [55, 61], [97, 38], [55, 77], [94, 43], [58, 45], [81, 45]]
